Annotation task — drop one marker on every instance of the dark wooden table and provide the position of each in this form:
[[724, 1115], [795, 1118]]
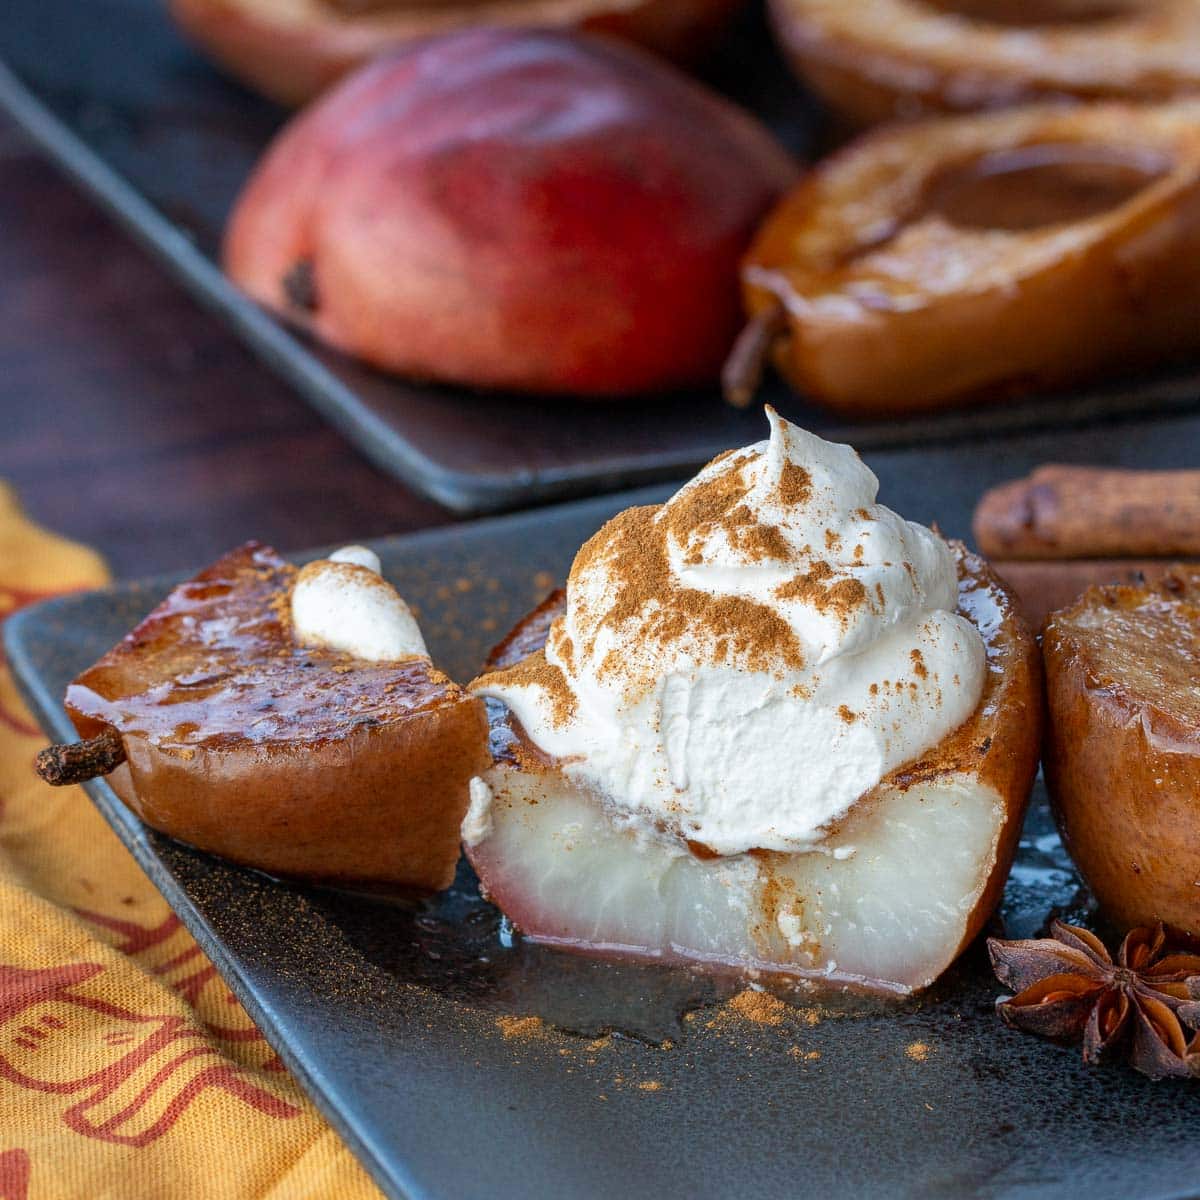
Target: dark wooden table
[[133, 421]]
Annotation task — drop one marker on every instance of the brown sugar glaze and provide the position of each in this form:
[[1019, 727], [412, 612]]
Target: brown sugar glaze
[[1022, 190], [1025, 14], [216, 665], [355, 8], [1036, 186]]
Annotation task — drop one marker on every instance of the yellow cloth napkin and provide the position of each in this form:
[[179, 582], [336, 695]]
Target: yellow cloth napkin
[[127, 1069]]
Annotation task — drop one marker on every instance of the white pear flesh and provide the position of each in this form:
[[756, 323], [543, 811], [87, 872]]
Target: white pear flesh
[[920, 863]]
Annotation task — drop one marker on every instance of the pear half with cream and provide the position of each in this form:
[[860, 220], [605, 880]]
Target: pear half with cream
[[770, 724], [288, 720]]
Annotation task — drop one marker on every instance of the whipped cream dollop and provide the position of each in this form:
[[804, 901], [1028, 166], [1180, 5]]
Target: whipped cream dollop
[[738, 666], [343, 602]]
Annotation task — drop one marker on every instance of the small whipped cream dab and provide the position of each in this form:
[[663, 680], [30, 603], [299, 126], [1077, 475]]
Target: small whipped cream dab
[[344, 603], [740, 665]]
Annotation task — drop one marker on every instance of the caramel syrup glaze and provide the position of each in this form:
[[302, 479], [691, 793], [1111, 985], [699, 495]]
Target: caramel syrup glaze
[[215, 666], [1023, 189], [1034, 186], [1039, 13], [362, 8], [1139, 646]]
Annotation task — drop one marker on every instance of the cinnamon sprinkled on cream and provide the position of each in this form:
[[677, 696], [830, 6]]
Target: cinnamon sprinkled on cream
[[795, 485], [633, 546], [842, 596], [535, 671], [715, 678]]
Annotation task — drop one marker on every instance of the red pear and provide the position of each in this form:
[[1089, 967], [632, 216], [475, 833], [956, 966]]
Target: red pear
[[534, 211]]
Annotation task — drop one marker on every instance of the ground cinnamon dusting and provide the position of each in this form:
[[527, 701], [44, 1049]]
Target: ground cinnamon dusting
[[795, 484], [634, 547], [280, 605], [718, 503], [706, 503], [633, 550], [760, 1007], [534, 671], [748, 536], [804, 1055], [842, 597], [520, 1027], [561, 643]]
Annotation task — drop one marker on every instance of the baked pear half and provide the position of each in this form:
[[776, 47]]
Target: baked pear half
[[968, 258], [930, 846], [872, 60], [217, 727], [290, 50], [1122, 756]]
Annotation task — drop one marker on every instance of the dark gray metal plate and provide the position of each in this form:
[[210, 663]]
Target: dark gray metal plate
[[395, 1018]]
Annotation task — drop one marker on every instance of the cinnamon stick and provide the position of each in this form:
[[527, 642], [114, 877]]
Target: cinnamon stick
[[1063, 512], [77, 762]]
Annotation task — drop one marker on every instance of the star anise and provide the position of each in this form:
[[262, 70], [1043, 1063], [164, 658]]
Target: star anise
[[1068, 988]]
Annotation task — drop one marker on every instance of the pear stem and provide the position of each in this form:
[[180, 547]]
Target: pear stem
[[743, 370], [77, 762]]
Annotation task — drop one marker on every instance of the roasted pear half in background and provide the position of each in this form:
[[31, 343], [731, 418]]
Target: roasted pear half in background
[[540, 212], [215, 726], [292, 49], [872, 60], [967, 258], [1122, 757]]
